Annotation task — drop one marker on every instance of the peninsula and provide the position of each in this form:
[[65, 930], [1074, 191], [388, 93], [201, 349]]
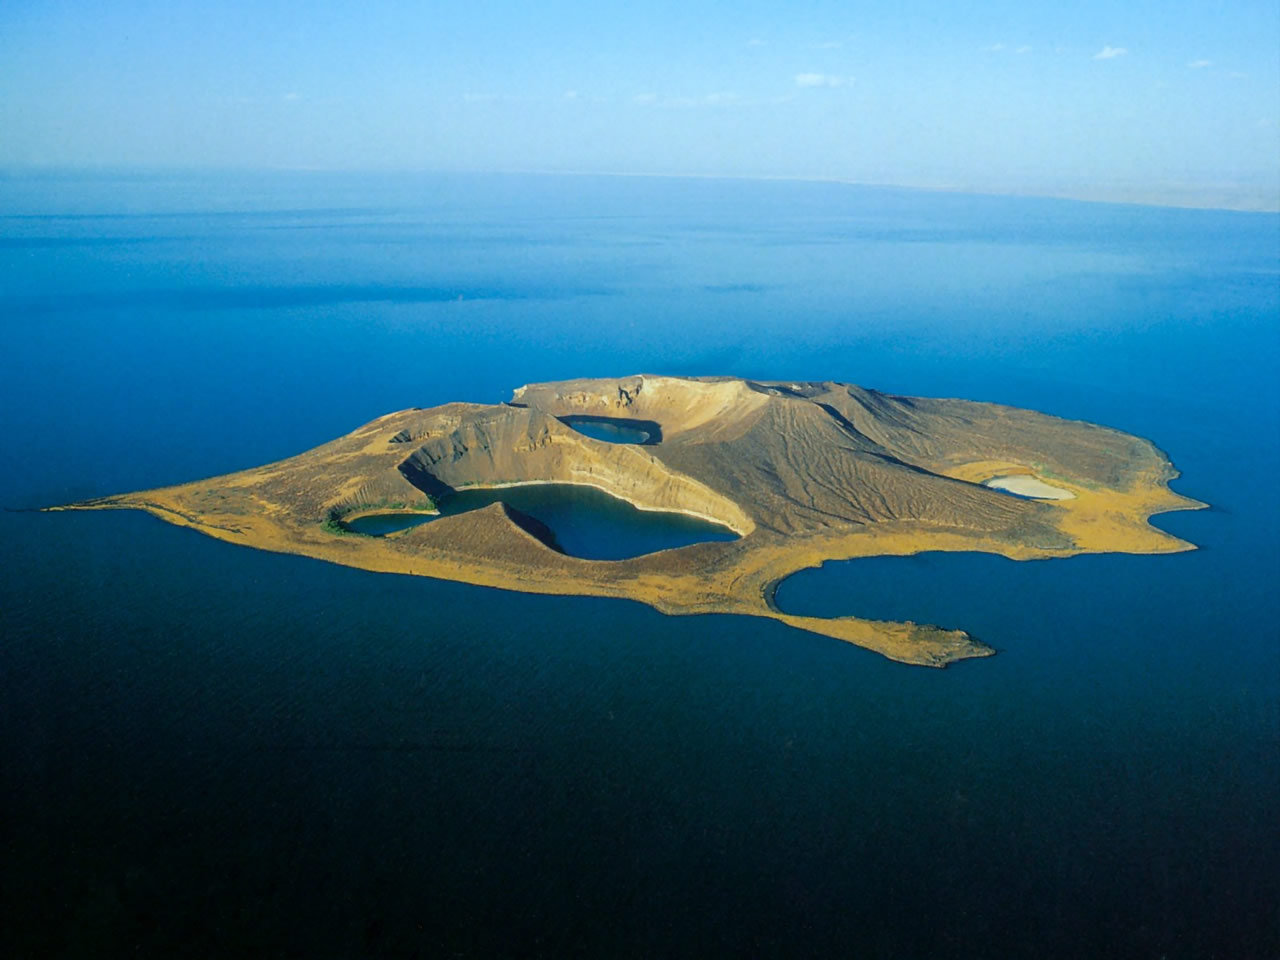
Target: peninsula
[[801, 472]]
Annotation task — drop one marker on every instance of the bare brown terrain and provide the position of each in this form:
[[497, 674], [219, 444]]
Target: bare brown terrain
[[803, 472]]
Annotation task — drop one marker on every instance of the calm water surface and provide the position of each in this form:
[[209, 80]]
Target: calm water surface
[[584, 522], [610, 430], [209, 750]]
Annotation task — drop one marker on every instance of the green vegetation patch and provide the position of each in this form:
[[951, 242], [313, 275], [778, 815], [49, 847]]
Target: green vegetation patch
[[335, 519]]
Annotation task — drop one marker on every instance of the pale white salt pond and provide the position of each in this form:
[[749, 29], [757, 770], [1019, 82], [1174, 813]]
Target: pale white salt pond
[[1024, 485]]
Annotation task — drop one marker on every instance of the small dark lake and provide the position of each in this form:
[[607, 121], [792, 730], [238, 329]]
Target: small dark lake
[[586, 522], [615, 430]]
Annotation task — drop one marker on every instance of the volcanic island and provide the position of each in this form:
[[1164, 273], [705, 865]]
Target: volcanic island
[[802, 473]]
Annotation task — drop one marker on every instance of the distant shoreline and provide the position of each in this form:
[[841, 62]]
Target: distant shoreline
[[1249, 198]]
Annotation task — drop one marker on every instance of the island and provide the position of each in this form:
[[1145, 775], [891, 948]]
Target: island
[[794, 474]]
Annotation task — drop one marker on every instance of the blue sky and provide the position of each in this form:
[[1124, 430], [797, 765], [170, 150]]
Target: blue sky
[[1138, 100]]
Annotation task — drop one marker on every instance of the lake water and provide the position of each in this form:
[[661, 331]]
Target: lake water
[[613, 430], [209, 750], [584, 522]]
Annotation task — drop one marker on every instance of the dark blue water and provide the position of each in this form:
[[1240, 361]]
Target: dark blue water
[[611, 430], [382, 524], [583, 521], [209, 750]]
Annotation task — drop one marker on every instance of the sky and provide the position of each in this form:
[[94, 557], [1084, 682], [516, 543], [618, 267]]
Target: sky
[[1164, 102]]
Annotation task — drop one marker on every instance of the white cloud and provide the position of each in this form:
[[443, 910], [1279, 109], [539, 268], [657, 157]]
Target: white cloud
[[292, 96], [1200, 64], [829, 45], [821, 80], [995, 48], [479, 97], [756, 42], [571, 94], [1110, 53], [645, 98], [1024, 49]]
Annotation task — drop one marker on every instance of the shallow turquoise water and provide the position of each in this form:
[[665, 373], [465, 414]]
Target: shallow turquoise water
[[211, 750], [585, 522]]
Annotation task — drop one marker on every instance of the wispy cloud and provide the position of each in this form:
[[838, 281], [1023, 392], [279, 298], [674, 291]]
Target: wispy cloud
[[479, 97], [291, 95], [756, 42], [1023, 49], [995, 48], [821, 80], [829, 45], [645, 98], [1200, 64], [1110, 53], [571, 94]]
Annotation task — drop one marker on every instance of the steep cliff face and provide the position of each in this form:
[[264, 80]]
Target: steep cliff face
[[803, 471], [694, 409], [507, 445]]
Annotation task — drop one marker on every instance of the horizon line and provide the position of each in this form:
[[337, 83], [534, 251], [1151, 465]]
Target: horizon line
[[1236, 198]]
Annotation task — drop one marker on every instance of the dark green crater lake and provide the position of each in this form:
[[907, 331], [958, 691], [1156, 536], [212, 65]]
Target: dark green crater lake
[[580, 521], [615, 430]]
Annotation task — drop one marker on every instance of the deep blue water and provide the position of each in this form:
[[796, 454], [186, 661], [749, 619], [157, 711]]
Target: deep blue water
[[610, 430], [583, 521], [209, 750]]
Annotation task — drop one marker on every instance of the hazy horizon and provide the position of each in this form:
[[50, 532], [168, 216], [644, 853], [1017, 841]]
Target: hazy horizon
[[1235, 198]]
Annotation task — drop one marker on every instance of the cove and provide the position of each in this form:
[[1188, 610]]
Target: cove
[[614, 429], [1003, 602], [583, 521]]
